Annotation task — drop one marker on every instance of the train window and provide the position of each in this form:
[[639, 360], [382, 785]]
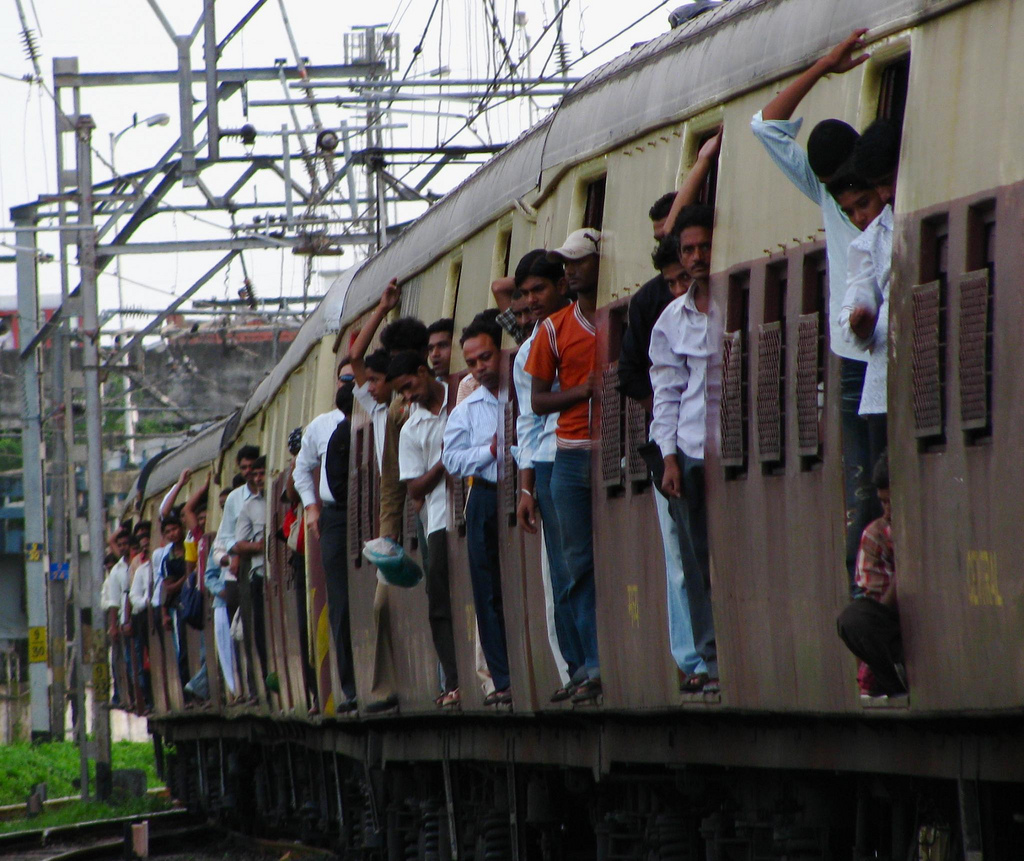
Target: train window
[[894, 83], [735, 377], [977, 316], [930, 326], [506, 246], [451, 293], [593, 211], [771, 371], [710, 187], [812, 351]]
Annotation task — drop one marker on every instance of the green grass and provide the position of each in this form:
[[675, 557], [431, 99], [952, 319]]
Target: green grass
[[57, 764], [86, 811]]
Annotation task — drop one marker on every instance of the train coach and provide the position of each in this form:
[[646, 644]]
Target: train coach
[[788, 760]]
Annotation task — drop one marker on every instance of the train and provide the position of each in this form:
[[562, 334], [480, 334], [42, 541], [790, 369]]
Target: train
[[787, 760]]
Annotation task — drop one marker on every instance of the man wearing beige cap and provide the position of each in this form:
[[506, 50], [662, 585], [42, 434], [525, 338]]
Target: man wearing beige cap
[[564, 349]]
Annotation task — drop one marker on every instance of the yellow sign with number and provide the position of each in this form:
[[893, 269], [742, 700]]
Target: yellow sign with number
[[33, 552], [37, 651]]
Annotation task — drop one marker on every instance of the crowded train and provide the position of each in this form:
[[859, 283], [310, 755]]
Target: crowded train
[[519, 464]]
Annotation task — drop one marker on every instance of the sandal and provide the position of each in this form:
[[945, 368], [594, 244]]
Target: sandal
[[587, 691], [695, 683], [499, 698], [563, 693], [450, 699]]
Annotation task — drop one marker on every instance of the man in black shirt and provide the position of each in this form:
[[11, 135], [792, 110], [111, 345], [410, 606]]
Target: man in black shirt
[[644, 309]]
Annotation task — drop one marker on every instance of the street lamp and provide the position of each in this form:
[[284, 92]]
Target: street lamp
[[129, 414]]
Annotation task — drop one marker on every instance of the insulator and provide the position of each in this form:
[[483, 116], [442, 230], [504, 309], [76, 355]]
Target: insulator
[[28, 39]]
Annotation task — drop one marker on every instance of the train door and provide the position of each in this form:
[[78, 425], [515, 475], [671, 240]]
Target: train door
[[636, 662], [535, 674]]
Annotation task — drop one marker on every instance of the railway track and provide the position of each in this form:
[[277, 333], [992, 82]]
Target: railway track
[[174, 834]]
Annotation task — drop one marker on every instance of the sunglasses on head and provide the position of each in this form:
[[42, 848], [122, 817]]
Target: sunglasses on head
[[346, 378]]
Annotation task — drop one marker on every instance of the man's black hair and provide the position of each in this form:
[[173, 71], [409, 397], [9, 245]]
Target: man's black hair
[[247, 452], [143, 526], [483, 324], [406, 362], [829, 145], [109, 559], [378, 361], [445, 324], [661, 206], [122, 533], [877, 153], [133, 541], [880, 473], [237, 481], [344, 360], [535, 264], [667, 252], [847, 180], [260, 462], [695, 215], [171, 519], [406, 333]]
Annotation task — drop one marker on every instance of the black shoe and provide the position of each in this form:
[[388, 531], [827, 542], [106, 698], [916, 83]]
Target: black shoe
[[347, 707], [389, 702]]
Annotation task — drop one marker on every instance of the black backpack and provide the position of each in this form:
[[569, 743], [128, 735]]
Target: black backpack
[[336, 461]]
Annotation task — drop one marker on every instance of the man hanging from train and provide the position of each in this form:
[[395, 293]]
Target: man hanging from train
[[250, 545], [326, 519], [870, 624], [405, 333], [471, 449], [542, 282], [645, 308], [864, 318], [564, 349], [685, 342], [420, 467], [829, 146]]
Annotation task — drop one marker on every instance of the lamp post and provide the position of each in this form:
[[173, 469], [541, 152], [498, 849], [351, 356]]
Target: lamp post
[[129, 413]]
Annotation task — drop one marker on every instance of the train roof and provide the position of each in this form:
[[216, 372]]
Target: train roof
[[718, 55]]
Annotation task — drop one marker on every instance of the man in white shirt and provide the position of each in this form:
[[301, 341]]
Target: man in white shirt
[[327, 520], [471, 449], [684, 342], [250, 544], [114, 595], [421, 468], [829, 146]]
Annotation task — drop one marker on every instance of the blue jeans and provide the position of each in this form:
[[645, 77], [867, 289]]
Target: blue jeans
[[570, 491], [689, 511], [485, 573], [569, 643], [680, 631]]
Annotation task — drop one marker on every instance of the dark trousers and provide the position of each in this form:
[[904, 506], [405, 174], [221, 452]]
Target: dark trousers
[[859, 458], [333, 552], [689, 512], [140, 643], [570, 492], [259, 620], [569, 643], [872, 632], [485, 573], [297, 563], [439, 606]]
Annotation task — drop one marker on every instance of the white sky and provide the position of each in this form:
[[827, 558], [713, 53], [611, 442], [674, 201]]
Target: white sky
[[123, 35]]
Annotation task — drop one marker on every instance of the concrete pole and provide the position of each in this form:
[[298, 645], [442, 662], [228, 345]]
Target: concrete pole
[[25, 218], [93, 583], [58, 472]]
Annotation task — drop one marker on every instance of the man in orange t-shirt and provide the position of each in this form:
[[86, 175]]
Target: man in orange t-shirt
[[564, 349]]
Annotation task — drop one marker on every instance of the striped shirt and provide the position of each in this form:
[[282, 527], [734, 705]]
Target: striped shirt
[[564, 349]]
